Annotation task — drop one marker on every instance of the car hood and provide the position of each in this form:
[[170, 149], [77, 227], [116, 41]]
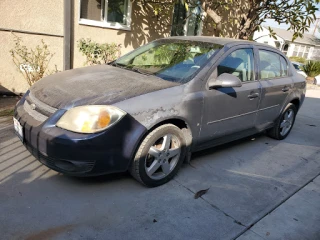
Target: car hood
[[101, 84]]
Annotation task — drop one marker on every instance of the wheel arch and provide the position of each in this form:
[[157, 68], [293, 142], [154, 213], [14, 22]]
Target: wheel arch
[[180, 123], [177, 121], [294, 99], [296, 102]]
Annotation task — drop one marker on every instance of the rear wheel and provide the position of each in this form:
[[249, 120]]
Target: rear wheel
[[159, 156], [284, 124]]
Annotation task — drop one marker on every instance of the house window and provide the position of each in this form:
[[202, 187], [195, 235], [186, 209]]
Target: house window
[[296, 50], [179, 20], [106, 13], [301, 50], [186, 23], [285, 48], [194, 21], [306, 52]]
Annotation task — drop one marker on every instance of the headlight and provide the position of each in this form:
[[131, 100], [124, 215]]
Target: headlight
[[90, 118]]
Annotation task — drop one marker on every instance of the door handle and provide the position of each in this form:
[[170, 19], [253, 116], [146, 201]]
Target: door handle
[[285, 89], [253, 95]]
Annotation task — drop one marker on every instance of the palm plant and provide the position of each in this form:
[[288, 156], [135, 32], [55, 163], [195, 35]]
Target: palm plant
[[312, 69]]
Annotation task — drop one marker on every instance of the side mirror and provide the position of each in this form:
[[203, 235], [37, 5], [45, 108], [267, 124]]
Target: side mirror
[[225, 80]]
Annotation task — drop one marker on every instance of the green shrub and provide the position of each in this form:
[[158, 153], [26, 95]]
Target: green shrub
[[298, 59], [98, 53], [312, 68], [32, 62], [7, 112]]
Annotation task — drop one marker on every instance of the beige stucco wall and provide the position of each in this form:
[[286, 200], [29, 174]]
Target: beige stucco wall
[[10, 76], [145, 27], [47, 17], [34, 16]]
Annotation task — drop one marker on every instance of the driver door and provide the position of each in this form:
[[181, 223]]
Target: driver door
[[231, 112]]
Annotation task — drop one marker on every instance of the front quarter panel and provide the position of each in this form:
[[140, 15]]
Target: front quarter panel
[[167, 104]]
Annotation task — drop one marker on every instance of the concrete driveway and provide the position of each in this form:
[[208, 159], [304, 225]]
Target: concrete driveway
[[260, 188]]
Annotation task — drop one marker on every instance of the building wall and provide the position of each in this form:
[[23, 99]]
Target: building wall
[[315, 54], [145, 27], [32, 15], [262, 36], [11, 79], [290, 49], [300, 50], [36, 16]]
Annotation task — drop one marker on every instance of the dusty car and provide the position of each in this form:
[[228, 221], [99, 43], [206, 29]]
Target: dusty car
[[149, 110], [299, 68]]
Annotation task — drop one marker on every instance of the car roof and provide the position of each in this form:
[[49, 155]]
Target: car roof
[[222, 41]]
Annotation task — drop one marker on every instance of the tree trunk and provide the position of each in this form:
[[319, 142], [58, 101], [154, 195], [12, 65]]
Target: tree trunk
[[248, 25], [213, 15]]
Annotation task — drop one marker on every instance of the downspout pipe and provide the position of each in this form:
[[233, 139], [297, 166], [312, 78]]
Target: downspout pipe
[[68, 34]]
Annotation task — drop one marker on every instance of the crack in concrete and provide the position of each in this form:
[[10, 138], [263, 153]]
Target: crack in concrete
[[247, 228], [275, 207], [212, 205]]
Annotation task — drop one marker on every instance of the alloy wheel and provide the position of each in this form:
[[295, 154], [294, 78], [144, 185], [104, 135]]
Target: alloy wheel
[[162, 157], [286, 122]]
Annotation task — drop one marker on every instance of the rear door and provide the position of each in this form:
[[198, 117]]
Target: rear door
[[276, 84], [229, 111]]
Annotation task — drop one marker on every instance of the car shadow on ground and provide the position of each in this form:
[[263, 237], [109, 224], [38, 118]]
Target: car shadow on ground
[[247, 178], [309, 123]]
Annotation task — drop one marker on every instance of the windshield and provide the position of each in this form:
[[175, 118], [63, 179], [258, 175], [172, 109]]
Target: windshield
[[172, 60]]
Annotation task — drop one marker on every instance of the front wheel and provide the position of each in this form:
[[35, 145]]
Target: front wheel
[[284, 123], [159, 156]]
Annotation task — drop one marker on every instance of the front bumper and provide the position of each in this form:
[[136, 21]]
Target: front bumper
[[80, 154]]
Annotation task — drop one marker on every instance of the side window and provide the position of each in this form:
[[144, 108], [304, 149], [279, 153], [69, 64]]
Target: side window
[[269, 64], [284, 67], [239, 63]]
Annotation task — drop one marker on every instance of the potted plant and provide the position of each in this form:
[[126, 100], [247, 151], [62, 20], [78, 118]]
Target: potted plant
[[312, 69]]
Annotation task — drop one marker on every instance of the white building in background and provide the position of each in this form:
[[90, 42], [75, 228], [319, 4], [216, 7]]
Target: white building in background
[[307, 47]]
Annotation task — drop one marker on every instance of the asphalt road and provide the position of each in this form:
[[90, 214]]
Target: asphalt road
[[260, 188]]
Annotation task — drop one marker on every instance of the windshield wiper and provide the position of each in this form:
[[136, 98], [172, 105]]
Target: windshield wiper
[[134, 69], [117, 65], [138, 70]]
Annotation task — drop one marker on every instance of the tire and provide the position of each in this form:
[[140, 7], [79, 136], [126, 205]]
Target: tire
[[284, 124], [159, 156]]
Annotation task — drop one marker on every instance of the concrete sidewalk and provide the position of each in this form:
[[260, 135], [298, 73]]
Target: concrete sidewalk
[[8, 102], [296, 218], [260, 188]]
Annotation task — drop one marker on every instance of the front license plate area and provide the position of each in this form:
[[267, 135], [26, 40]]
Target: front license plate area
[[18, 128]]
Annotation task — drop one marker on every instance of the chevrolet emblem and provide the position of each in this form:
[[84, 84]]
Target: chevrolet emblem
[[33, 106]]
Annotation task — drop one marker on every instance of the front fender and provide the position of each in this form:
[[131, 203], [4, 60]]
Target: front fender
[[173, 103]]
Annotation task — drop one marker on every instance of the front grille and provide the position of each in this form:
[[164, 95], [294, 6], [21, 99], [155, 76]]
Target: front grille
[[33, 113], [62, 165], [41, 106], [37, 109]]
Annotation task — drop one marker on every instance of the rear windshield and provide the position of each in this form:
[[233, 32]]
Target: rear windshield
[[172, 60]]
